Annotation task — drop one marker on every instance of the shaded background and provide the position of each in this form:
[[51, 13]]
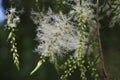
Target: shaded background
[[28, 59]]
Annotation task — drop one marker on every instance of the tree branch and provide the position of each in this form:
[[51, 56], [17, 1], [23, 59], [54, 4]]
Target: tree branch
[[104, 77]]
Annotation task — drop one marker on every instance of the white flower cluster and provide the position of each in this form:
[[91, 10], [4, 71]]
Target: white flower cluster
[[55, 34], [12, 18], [84, 8]]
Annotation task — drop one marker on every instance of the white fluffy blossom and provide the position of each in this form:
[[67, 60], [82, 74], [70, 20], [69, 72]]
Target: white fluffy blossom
[[84, 9], [55, 34], [12, 18]]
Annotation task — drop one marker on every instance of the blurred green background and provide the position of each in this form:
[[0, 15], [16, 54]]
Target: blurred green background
[[28, 58]]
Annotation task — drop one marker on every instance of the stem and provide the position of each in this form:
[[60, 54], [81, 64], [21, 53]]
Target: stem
[[99, 43]]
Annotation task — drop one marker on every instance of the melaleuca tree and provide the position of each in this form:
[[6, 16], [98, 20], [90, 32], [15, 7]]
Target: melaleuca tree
[[68, 36]]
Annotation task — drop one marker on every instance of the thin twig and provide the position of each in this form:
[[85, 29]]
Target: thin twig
[[99, 42]]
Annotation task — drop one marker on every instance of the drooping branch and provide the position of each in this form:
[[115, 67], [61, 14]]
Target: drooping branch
[[99, 43]]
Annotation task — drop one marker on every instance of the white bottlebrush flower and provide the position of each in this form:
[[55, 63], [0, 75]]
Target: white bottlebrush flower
[[11, 23], [12, 18], [55, 34], [84, 9]]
